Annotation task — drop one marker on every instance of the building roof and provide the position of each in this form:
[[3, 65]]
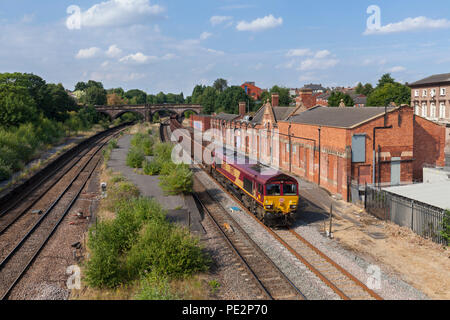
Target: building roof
[[339, 117], [314, 87], [360, 100], [281, 113], [437, 78], [226, 116], [433, 194]]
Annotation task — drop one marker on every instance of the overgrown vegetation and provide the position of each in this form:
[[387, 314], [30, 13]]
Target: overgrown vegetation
[[35, 115], [112, 144], [445, 233], [174, 178], [140, 244]]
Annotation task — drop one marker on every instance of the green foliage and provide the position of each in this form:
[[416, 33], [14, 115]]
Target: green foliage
[[112, 144], [220, 85], [140, 242], [152, 168], [283, 93], [156, 118], [177, 181], [135, 158], [228, 100], [95, 96], [17, 106], [166, 250], [364, 89], [385, 79], [155, 287], [136, 96], [390, 92], [445, 233], [335, 99], [143, 142]]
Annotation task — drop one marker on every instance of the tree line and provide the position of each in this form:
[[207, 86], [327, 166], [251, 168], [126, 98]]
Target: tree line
[[386, 91]]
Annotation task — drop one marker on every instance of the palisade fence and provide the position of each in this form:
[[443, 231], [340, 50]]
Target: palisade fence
[[425, 220]]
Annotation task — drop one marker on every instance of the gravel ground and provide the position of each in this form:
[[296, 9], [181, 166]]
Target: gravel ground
[[308, 283]]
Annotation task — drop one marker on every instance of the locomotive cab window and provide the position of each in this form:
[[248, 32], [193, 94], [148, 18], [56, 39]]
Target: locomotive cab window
[[273, 190], [248, 185], [289, 189]]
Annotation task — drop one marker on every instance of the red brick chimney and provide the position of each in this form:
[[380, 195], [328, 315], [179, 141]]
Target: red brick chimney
[[307, 98], [242, 109], [275, 99]]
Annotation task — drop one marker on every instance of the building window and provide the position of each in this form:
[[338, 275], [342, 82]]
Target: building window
[[424, 109], [433, 111], [416, 93], [433, 92], [294, 149], [443, 91], [359, 148], [424, 93], [417, 107], [442, 111]]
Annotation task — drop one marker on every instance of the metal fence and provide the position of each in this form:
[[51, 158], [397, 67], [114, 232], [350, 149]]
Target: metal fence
[[423, 219]]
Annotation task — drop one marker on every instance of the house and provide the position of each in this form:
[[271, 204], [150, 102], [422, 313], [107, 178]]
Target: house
[[252, 90], [315, 88], [337, 147], [430, 97]]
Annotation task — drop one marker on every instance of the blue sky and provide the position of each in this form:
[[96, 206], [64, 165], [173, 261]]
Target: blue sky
[[170, 46]]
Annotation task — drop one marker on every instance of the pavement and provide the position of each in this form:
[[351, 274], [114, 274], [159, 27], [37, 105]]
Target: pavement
[[181, 209]]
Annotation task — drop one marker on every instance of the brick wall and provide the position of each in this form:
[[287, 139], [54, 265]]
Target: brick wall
[[429, 145], [203, 119]]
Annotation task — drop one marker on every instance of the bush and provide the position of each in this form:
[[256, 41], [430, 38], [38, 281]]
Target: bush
[[155, 287], [5, 171], [135, 158], [445, 233], [120, 192], [163, 151], [143, 142], [166, 250], [152, 168], [177, 181]]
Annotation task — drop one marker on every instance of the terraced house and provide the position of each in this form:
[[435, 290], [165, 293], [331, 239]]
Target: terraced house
[[431, 97]]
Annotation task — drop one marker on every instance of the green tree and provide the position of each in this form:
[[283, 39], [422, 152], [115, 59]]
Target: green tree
[[95, 96], [16, 105], [60, 103], [385, 79], [220, 85], [228, 101], [136, 96], [390, 92], [364, 89], [80, 86], [335, 99]]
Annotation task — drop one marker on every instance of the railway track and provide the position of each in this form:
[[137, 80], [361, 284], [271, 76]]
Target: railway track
[[269, 281], [63, 193], [344, 284]]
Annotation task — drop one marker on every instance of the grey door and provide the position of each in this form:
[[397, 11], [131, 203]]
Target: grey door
[[395, 171]]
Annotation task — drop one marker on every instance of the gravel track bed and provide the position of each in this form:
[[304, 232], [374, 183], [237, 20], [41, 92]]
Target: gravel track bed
[[308, 283], [392, 287], [11, 237]]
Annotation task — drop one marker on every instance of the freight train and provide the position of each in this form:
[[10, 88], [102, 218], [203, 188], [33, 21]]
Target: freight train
[[273, 198]]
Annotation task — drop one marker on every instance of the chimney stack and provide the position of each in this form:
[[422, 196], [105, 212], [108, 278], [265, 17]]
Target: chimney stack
[[242, 109], [275, 99]]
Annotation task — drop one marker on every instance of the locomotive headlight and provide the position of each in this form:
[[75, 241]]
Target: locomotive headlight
[[293, 206], [269, 205]]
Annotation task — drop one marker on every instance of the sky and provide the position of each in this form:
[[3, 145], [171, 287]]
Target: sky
[[173, 45]]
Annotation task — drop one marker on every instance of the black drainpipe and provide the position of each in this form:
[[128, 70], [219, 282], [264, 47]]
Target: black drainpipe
[[320, 151]]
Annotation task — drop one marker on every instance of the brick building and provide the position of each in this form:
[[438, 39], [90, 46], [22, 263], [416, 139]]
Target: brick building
[[252, 90], [200, 122], [334, 147], [431, 97]]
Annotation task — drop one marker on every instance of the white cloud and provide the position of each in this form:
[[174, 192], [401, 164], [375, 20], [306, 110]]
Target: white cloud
[[322, 54], [396, 69], [113, 51], [205, 35], [410, 24], [260, 24], [119, 12], [318, 64], [218, 52], [216, 20], [87, 53], [169, 56], [299, 53], [373, 61], [138, 58]]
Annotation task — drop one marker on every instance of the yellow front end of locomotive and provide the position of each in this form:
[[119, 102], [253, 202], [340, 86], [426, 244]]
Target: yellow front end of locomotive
[[281, 204]]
